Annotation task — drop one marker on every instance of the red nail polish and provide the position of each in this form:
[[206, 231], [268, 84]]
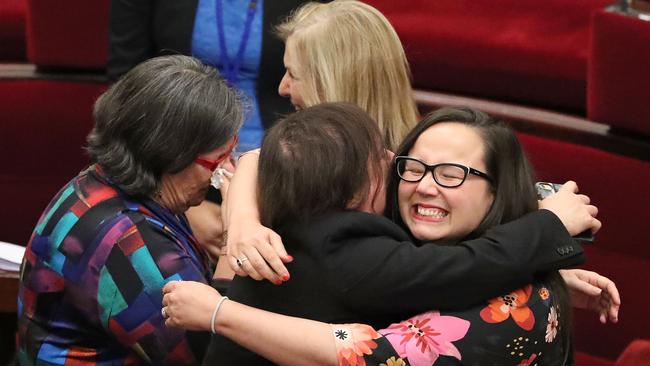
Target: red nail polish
[[277, 282], [285, 277], [290, 258]]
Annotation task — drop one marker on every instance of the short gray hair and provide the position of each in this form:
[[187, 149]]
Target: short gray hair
[[158, 118]]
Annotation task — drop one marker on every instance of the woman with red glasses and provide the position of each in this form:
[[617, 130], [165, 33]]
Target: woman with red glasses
[[90, 287]]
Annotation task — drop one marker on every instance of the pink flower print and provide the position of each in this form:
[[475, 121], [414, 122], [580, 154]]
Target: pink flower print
[[423, 338], [553, 325]]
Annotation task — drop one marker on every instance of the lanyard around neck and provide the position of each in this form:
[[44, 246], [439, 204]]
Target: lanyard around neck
[[230, 68]]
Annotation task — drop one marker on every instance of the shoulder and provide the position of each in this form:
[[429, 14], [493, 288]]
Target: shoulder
[[344, 225], [117, 228]]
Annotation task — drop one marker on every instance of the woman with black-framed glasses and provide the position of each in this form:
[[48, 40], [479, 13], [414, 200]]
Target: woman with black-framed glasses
[[449, 175], [349, 264]]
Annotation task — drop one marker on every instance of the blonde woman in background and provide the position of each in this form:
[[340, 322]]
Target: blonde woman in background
[[347, 51], [342, 51]]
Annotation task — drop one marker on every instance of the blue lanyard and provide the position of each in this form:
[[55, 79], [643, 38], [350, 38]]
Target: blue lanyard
[[230, 68]]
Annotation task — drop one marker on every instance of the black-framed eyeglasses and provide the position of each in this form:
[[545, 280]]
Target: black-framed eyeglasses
[[448, 175]]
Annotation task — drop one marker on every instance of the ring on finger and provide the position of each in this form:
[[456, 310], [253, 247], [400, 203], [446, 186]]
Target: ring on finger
[[163, 312], [240, 262]]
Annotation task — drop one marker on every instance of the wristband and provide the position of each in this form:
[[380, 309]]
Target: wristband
[[214, 313]]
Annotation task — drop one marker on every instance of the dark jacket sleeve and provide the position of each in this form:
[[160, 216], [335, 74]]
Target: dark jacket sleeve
[[129, 36], [142, 29], [379, 274]]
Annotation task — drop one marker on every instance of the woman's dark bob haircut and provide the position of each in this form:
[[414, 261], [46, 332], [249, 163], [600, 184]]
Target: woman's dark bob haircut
[[507, 164], [158, 118], [316, 161]]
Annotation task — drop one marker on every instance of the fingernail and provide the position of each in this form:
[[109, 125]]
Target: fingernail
[[285, 277], [277, 282], [289, 258]]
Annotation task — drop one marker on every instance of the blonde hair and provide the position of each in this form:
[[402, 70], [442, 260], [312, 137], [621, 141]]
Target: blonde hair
[[347, 51]]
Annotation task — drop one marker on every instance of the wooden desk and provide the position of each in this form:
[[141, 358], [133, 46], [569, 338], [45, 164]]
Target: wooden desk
[[8, 292]]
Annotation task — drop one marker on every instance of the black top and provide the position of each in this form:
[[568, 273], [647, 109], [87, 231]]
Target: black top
[[142, 29], [349, 266]]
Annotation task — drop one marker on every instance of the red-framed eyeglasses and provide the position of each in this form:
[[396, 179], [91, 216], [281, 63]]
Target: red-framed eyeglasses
[[212, 165]]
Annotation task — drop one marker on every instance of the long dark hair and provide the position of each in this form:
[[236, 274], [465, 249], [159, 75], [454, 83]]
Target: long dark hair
[[315, 161], [512, 186]]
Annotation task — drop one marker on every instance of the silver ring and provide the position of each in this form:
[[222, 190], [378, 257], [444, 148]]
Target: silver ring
[[240, 262], [163, 312]]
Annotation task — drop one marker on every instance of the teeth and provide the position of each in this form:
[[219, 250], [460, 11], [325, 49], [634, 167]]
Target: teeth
[[432, 212]]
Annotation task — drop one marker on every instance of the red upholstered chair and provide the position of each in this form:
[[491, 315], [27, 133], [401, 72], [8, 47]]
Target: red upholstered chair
[[12, 30], [527, 52], [46, 116], [585, 359], [42, 134], [618, 186], [70, 33], [636, 354], [619, 71]]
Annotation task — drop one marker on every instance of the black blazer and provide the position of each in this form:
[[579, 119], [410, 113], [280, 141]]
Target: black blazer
[[352, 267], [142, 29]]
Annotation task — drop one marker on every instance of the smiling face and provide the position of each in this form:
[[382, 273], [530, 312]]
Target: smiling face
[[291, 85], [432, 212]]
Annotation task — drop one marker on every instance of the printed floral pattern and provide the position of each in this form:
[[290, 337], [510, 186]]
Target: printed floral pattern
[[423, 338], [543, 293], [553, 325], [529, 361], [514, 304], [353, 341], [393, 362], [480, 334]]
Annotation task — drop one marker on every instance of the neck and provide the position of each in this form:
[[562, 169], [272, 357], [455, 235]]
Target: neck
[[170, 198]]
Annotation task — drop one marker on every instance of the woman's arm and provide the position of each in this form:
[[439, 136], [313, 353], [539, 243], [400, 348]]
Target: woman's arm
[[251, 239], [506, 257], [247, 238], [591, 291], [365, 267], [285, 340], [282, 339]]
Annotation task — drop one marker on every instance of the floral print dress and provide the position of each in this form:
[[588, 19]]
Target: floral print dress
[[519, 328]]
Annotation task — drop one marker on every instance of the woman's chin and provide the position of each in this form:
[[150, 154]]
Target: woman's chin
[[425, 232]]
